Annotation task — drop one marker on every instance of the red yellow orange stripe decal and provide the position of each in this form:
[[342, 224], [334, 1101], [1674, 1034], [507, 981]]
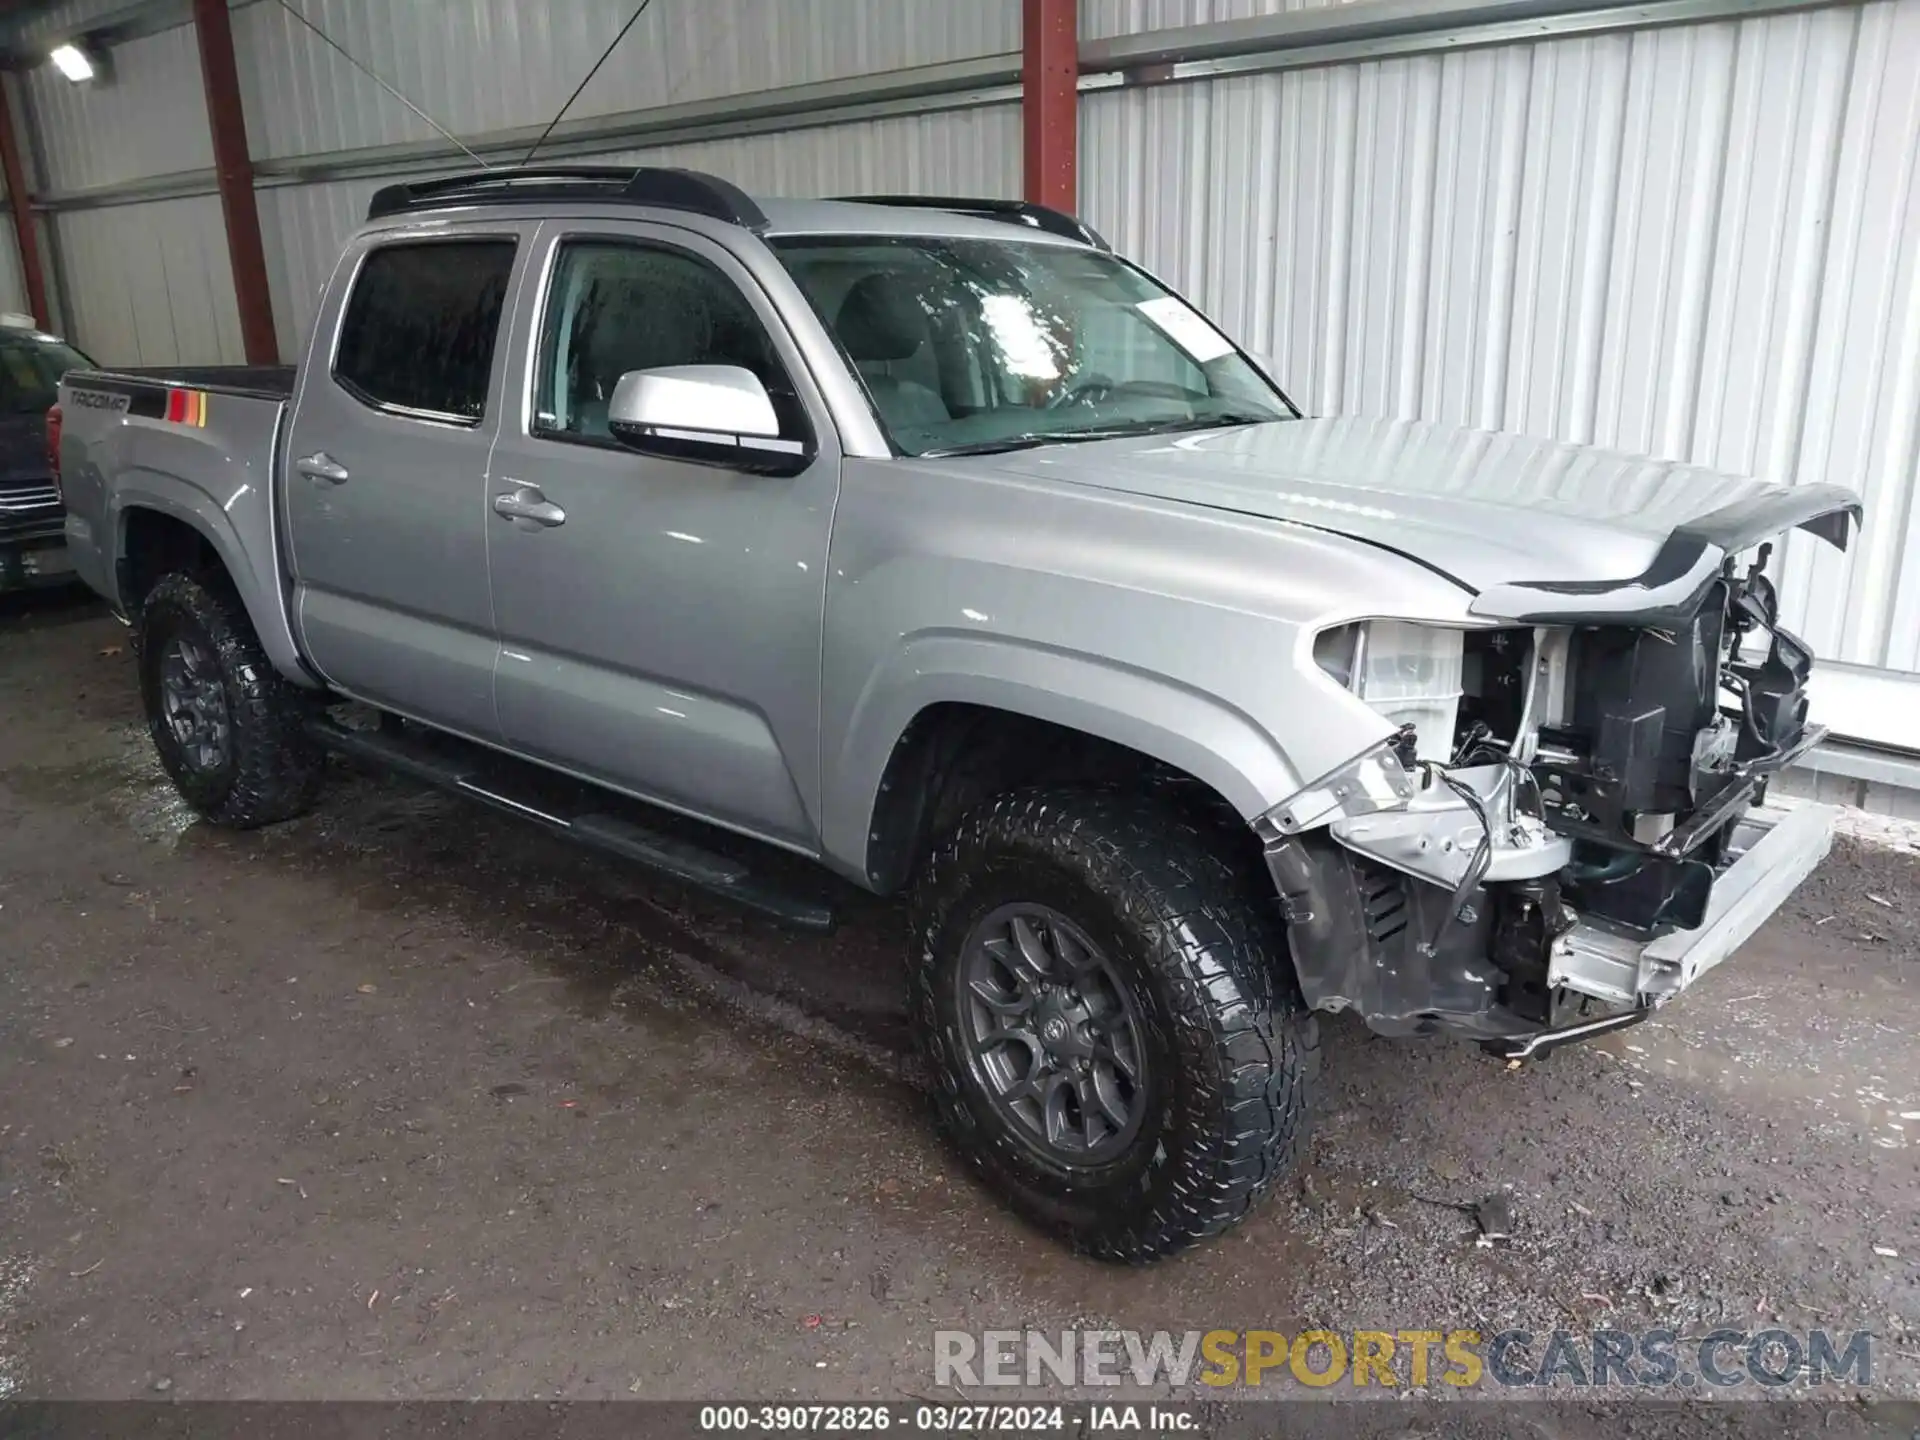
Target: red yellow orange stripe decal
[[187, 407]]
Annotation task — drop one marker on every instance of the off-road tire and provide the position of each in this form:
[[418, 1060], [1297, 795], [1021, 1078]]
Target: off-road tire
[[1233, 1056], [273, 768]]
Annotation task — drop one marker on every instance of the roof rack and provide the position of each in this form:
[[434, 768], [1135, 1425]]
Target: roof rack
[[543, 184], [1014, 212]]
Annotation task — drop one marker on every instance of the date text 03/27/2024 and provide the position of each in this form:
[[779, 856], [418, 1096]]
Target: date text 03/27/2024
[[963, 1419]]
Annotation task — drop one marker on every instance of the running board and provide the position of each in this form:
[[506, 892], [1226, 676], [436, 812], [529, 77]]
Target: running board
[[483, 777]]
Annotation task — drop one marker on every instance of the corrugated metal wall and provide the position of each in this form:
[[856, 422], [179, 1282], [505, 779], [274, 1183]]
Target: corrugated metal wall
[[149, 119], [1700, 242], [13, 290], [966, 152], [151, 283], [476, 66], [497, 64], [1101, 19], [59, 18], [302, 228], [973, 151], [13, 285]]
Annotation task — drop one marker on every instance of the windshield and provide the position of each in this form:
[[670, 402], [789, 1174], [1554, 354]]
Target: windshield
[[976, 345], [30, 369]]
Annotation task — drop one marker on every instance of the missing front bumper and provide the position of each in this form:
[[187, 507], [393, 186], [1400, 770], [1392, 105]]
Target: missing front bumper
[[1775, 850], [1354, 926]]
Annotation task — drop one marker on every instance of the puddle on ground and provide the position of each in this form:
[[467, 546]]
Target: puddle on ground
[[123, 781]]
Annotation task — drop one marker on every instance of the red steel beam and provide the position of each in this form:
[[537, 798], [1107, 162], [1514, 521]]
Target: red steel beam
[[23, 227], [1050, 107], [233, 166]]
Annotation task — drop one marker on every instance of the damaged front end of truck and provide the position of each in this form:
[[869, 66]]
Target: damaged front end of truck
[[1568, 826]]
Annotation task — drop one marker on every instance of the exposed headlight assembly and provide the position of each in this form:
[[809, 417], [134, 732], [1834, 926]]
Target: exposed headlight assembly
[[1410, 674]]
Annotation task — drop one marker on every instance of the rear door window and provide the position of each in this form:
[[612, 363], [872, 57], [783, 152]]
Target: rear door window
[[420, 327]]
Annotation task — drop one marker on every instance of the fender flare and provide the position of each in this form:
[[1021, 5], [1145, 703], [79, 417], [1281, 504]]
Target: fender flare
[[259, 594], [1193, 732]]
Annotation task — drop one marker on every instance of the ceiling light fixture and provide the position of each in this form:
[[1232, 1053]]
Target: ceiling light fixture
[[74, 63]]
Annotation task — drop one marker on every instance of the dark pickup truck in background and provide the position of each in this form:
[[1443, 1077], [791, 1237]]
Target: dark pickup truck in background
[[33, 547]]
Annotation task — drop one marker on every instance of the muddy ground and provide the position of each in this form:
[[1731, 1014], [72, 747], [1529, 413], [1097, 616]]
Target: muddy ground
[[404, 1100]]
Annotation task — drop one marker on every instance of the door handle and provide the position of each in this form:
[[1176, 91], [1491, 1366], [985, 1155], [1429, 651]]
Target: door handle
[[525, 502], [322, 466]]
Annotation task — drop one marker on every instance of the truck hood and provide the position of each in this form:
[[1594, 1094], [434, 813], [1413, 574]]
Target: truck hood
[[1535, 528]]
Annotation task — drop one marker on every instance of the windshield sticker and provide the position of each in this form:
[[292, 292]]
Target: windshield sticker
[[1186, 327]]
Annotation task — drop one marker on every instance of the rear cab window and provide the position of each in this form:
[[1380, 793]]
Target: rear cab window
[[420, 327]]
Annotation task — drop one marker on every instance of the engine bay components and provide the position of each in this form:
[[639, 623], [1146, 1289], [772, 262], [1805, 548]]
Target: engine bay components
[[1573, 794]]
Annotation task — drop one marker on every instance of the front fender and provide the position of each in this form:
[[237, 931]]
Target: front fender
[[1183, 633], [1191, 731]]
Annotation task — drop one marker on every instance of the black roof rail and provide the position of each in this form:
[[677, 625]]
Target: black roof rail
[[1014, 212], [666, 189]]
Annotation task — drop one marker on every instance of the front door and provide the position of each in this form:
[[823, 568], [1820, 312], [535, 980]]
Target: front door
[[660, 619], [386, 474]]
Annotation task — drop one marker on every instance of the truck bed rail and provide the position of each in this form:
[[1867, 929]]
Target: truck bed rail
[[258, 382]]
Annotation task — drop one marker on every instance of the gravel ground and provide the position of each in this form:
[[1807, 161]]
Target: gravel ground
[[405, 1100]]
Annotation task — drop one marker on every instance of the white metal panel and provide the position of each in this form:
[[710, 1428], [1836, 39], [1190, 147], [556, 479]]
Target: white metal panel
[[480, 65], [303, 229], [13, 285], [49, 272], [1103, 19], [965, 152], [38, 30], [13, 288], [1701, 243], [151, 284], [148, 118]]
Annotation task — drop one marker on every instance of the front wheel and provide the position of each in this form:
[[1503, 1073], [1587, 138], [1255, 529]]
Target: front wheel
[[1116, 1040], [228, 728]]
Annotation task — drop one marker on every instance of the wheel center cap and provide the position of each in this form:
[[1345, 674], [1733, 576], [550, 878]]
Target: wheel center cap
[[1054, 1031]]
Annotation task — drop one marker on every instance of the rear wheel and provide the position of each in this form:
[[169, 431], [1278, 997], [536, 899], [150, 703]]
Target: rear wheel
[[1116, 1040], [228, 729]]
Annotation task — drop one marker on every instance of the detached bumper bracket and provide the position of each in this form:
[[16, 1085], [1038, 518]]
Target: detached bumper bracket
[[1545, 1042]]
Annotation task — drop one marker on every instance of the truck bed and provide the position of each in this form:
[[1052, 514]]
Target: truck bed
[[260, 382], [194, 444]]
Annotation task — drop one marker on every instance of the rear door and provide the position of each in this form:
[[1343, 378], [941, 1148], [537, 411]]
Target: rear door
[[386, 471], [660, 632]]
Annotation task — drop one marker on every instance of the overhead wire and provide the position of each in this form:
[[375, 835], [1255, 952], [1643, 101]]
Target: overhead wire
[[443, 131], [374, 76], [632, 20]]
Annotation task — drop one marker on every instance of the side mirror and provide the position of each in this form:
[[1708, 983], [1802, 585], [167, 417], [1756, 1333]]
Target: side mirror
[[708, 414]]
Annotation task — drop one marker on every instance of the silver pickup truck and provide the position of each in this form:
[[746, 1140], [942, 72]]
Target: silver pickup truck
[[934, 542]]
